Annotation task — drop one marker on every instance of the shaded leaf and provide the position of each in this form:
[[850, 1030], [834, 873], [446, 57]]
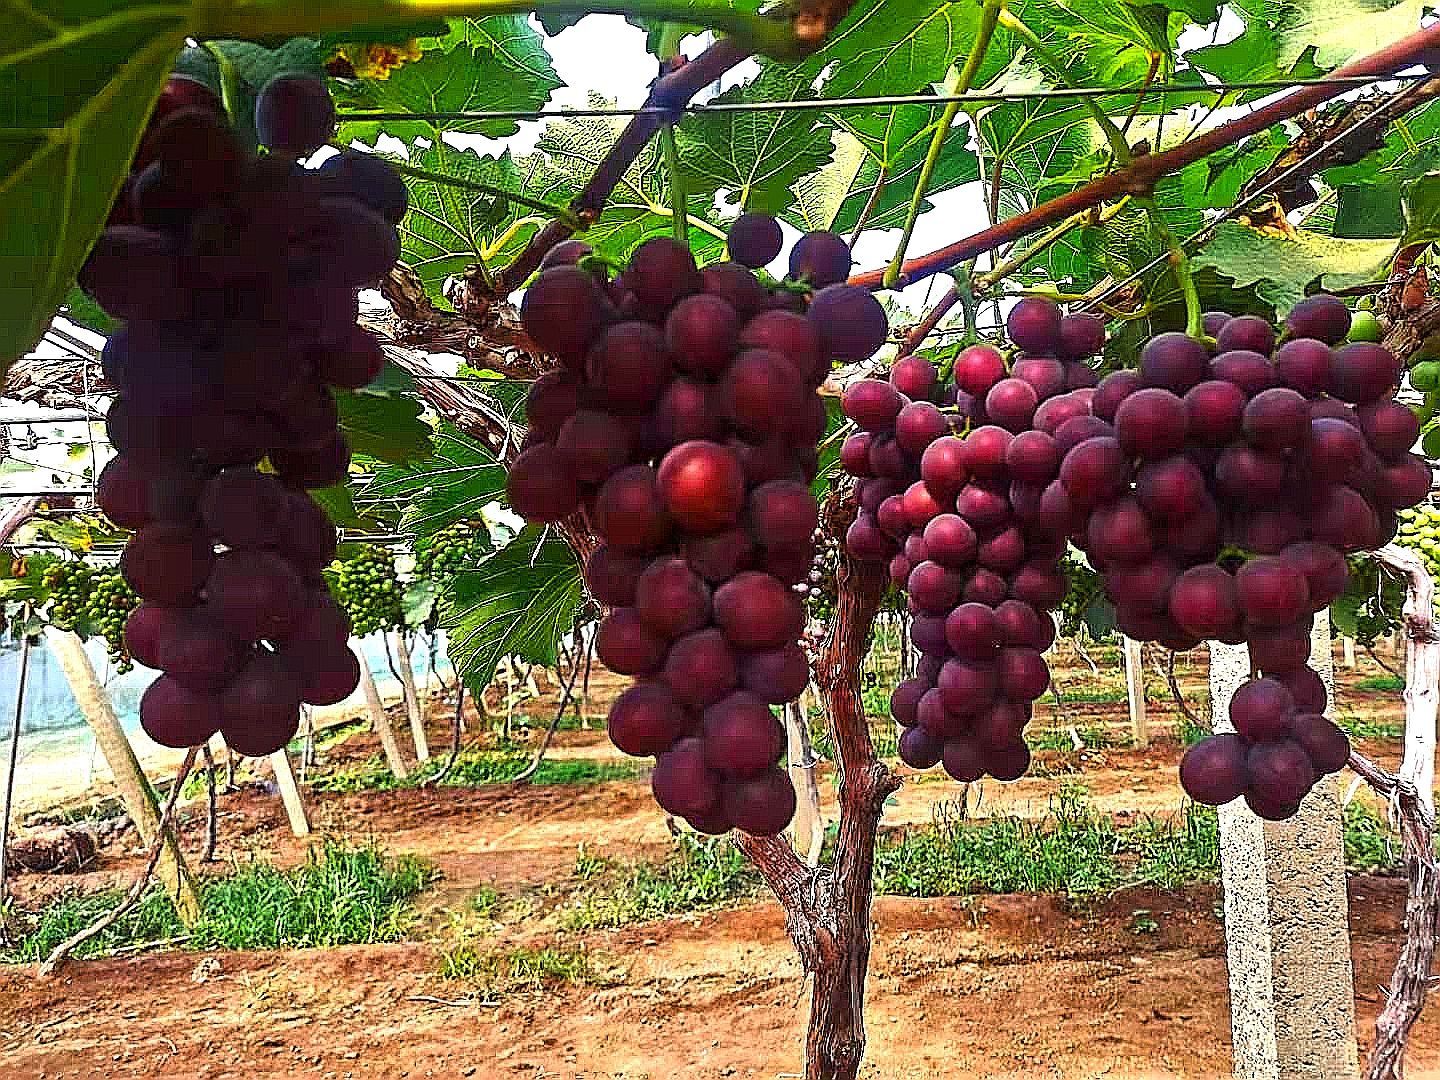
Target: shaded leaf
[[384, 426], [77, 81], [1422, 210], [1368, 211]]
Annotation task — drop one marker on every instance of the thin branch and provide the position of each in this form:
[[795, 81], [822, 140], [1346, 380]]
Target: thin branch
[[926, 326], [669, 93], [1173, 683], [530, 769], [212, 809], [131, 898], [1140, 176], [455, 726], [519, 198]]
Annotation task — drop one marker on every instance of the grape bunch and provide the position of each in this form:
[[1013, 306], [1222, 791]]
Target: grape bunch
[[368, 591], [684, 421], [454, 548], [1281, 745], [91, 602], [237, 278], [1218, 495], [956, 491], [1419, 529]]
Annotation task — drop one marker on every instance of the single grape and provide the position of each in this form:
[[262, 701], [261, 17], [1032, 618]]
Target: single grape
[[1325, 318], [294, 113], [1213, 771], [851, 322], [821, 258], [1034, 324], [754, 240]]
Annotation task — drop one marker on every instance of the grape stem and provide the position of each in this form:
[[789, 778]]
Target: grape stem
[[781, 38], [992, 13], [1139, 177], [679, 211]]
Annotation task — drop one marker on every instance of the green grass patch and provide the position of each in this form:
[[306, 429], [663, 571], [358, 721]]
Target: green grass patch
[[1381, 682], [1358, 726], [1370, 846], [699, 873], [1092, 737], [340, 895], [474, 769], [499, 972]]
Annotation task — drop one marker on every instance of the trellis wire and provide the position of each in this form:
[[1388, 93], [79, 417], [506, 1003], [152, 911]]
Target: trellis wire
[[879, 100]]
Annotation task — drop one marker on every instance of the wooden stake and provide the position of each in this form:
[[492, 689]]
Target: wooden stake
[[412, 700], [380, 719], [1135, 690], [135, 790]]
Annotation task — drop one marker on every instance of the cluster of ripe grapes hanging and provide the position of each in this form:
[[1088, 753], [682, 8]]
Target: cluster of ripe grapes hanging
[[1216, 489], [963, 524], [1222, 506], [684, 422], [237, 277]]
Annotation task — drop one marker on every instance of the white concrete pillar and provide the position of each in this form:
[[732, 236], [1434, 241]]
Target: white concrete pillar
[[1292, 1004]]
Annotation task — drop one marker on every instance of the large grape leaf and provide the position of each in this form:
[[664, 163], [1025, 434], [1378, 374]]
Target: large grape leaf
[[519, 602], [453, 484], [1306, 37], [820, 194], [1282, 267], [77, 80], [383, 426], [956, 165], [500, 63], [753, 156], [448, 227]]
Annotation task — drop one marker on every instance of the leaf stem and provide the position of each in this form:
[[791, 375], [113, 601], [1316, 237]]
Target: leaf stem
[[559, 213], [252, 19], [1005, 268], [229, 79], [1179, 265], [876, 191], [993, 11], [679, 211]]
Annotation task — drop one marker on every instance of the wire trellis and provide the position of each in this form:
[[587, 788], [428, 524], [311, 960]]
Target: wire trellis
[[878, 100]]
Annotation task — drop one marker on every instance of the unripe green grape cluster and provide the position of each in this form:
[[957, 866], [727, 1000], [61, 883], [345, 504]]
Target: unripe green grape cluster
[[454, 548], [1420, 531], [369, 592], [91, 602]]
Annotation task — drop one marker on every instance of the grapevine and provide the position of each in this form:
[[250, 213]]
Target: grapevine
[[237, 277], [368, 591], [684, 423]]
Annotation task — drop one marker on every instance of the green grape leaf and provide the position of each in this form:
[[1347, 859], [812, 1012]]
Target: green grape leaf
[[571, 149], [455, 483], [519, 602], [1282, 268], [384, 426], [498, 63], [956, 165], [77, 80], [83, 311], [754, 156], [1422, 210], [1368, 211], [820, 194], [338, 502], [419, 599], [1411, 149], [448, 229]]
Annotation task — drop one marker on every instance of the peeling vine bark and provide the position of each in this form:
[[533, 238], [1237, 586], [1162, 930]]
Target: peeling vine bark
[[827, 909], [1412, 810]]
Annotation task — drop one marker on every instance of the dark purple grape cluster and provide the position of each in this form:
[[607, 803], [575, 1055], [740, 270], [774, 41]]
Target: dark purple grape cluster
[[1218, 494], [238, 285], [1281, 745], [684, 421], [956, 491]]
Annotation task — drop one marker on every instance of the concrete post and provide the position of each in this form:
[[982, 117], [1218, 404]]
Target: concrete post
[[1135, 691], [1292, 1004]]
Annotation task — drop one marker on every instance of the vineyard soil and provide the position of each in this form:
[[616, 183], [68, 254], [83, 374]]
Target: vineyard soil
[[1124, 985]]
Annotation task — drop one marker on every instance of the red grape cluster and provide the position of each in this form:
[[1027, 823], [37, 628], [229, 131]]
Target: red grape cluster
[[684, 421], [237, 278], [1218, 494], [969, 529]]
